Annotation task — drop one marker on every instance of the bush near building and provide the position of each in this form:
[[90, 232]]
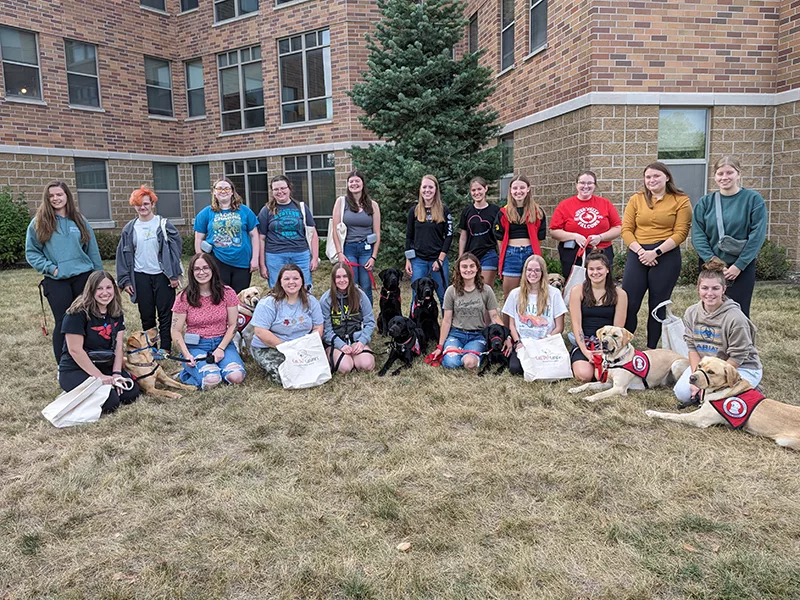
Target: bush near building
[[14, 219]]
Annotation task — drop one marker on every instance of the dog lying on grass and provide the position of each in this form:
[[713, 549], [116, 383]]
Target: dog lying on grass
[[390, 298], [730, 400], [146, 371], [408, 340], [625, 368]]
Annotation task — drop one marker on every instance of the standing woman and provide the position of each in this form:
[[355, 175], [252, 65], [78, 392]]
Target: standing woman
[[60, 244], [289, 312], [282, 233], [476, 225], [349, 322], [744, 218], [149, 264], [655, 223], [519, 226], [94, 330], [465, 304], [229, 227], [429, 233], [595, 304], [362, 215], [584, 221], [209, 310]]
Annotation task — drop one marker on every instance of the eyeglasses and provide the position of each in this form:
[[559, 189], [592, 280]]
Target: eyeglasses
[[202, 269], [533, 270], [224, 189], [586, 183], [281, 189]]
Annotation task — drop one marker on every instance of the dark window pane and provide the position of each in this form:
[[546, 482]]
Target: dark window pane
[[311, 40], [539, 25], [299, 186], [259, 191], [323, 188], [256, 52], [94, 205], [165, 177], [283, 46], [315, 64], [302, 162], [318, 109], [238, 184], [197, 102], [157, 4], [297, 43], [508, 13], [201, 200], [81, 58], [225, 10], [328, 160], [262, 165], [231, 121], [473, 33], [292, 78], [288, 164], [691, 179], [230, 89], [248, 6], [201, 177], [19, 46], [508, 48], [238, 165], [157, 72], [22, 82], [292, 113], [188, 4], [159, 101], [251, 80], [254, 118], [90, 174], [83, 90], [316, 161], [169, 204], [229, 167]]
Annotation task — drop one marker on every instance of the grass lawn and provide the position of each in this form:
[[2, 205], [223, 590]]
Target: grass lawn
[[504, 489]]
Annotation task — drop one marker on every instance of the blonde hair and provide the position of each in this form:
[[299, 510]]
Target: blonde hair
[[542, 292], [437, 211], [532, 212], [236, 199]]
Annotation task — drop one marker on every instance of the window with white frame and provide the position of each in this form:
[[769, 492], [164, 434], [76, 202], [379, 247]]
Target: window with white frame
[[82, 80], [683, 145], [313, 180], [506, 34], [249, 177], [506, 144], [241, 89], [91, 183], [201, 186], [195, 92], [159, 86], [166, 185], [20, 54], [472, 34], [305, 74], [538, 24], [188, 5], [230, 9], [155, 4]]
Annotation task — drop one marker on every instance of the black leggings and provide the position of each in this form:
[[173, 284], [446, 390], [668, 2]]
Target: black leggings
[[659, 281], [741, 288], [154, 295], [236, 277], [60, 293], [567, 256], [69, 380]]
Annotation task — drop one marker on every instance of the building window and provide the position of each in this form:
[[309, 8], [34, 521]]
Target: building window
[[167, 187], [241, 89], [195, 93], [201, 186], [249, 177], [538, 24], [683, 145], [188, 5], [506, 144], [473, 33], [506, 34], [82, 80], [156, 4], [313, 180], [92, 187], [305, 73], [230, 9], [159, 86], [20, 64]]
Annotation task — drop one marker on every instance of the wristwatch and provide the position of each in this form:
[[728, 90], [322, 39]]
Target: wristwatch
[[659, 252]]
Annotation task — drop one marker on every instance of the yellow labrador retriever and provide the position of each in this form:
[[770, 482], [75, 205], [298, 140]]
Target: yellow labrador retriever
[[141, 364], [630, 369], [729, 399], [248, 298]]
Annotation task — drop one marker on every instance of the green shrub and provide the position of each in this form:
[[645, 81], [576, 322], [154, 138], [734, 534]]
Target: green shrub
[[107, 242], [553, 263], [690, 268], [620, 258], [772, 262], [188, 244], [14, 219]]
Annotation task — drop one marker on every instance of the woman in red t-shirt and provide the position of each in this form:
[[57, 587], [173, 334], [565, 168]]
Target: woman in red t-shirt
[[584, 221]]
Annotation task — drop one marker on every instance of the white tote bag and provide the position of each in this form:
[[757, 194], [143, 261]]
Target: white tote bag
[[310, 230], [576, 276], [672, 329], [341, 231], [545, 359], [80, 405], [306, 364]]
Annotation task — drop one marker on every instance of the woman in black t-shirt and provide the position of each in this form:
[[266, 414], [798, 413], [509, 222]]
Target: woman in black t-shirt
[[94, 331], [476, 224]]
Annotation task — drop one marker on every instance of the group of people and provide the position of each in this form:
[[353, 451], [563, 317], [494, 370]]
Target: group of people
[[281, 242]]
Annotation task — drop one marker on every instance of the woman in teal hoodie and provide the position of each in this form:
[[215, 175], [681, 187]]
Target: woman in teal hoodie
[[60, 245]]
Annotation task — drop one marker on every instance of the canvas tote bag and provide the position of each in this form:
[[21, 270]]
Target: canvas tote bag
[[545, 359], [80, 405], [672, 329], [306, 364], [341, 231], [576, 276]]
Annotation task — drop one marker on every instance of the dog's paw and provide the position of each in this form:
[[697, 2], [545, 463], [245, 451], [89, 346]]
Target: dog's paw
[[650, 413], [575, 390]]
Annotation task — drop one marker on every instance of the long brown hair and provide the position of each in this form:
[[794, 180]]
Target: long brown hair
[[458, 280], [192, 291], [532, 212], [365, 202], [671, 187], [86, 303], [437, 211], [272, 204], [279, 293], [236, 199], [46, 222], [609, 297], [542, 291], [353, 296]]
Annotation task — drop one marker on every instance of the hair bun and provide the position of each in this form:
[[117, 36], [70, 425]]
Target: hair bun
[[715, 264]]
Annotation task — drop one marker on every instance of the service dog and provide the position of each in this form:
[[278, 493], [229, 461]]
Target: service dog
[[727, 399], [143, 367], [495, 336], [556, 280], [425, 310], [390, 298], [625, 368], [248, 298], [407, 342]]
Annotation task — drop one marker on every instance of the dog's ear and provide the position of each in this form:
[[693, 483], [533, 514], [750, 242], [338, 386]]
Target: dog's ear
[[414, 285], [732, 376], [381, 274], [486, 332], [133, 340], [627, 337]]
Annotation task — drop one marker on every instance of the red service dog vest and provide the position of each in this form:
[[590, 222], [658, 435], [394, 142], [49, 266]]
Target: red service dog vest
[[639, 365], [242, 321], [736, 410]]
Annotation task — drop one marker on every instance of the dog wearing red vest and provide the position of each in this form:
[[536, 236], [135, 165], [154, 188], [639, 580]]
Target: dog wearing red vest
[[730, 400], [248, 298], [624, 368]]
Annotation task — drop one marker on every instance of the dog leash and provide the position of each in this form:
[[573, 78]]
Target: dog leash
[[41, 301], [369, 272]]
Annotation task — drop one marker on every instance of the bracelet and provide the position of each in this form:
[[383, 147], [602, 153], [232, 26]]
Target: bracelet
[[116, 372], [220, 348], [439, 347], [373, 258]]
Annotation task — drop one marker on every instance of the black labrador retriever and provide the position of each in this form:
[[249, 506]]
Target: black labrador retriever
[[390, 298], [495, 336], [425, 310], [408, 340]]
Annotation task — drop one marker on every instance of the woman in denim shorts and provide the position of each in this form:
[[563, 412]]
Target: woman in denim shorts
[[476, 223]]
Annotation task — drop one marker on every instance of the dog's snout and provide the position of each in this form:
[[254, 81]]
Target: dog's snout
[[692, 378]]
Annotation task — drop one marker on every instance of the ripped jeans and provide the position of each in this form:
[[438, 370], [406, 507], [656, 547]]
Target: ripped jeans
[[203, 374]]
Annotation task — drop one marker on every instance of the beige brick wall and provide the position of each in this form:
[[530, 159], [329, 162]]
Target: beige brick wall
[[785, 199]]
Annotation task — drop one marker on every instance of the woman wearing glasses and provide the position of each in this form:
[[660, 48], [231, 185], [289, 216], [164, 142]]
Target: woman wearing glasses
[[227, 229]]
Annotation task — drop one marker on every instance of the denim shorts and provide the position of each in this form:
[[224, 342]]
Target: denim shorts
[[490, 261], [515, 260]]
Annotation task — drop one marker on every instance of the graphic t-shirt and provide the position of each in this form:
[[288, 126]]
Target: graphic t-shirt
[[99, 333], [531, 325], [285, 230], [228, 231], [145, 240], [208, 320], [468, 310], [587, 217], [287, 321], [478, 222]]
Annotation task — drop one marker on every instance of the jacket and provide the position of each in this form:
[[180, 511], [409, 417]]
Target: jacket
[[536, 231], [63, 251]]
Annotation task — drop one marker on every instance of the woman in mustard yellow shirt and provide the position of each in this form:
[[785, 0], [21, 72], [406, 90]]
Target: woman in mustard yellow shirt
[[656, 222]]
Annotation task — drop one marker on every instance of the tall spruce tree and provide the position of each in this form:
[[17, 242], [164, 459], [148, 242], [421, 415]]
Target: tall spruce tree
[[430, 110]]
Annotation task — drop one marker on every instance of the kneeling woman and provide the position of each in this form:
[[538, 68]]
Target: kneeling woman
[[466, 302], [595, 304], [349, 323], [94, 331], [716, 326], [535, 308], [287, 313], [209, 310]]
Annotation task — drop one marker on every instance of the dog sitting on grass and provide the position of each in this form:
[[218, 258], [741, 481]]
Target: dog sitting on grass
[[407, 343], [248, 298], [425, 310], [390, 298]]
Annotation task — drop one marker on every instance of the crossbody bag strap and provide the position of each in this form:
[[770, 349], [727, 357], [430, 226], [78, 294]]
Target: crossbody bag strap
[[718, 208]]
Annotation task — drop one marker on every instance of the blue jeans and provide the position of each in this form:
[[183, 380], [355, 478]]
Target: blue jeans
[[421, 268], [357, 252], [275, 263], [230, 362], [463, 340], [515, 259]]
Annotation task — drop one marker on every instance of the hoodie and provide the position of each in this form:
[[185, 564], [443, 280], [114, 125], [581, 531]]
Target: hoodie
[[63, 251], [347, 326], [725, 333]]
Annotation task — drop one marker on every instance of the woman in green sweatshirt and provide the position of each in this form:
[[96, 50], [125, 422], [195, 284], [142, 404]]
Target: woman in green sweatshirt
[[60, 244]]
